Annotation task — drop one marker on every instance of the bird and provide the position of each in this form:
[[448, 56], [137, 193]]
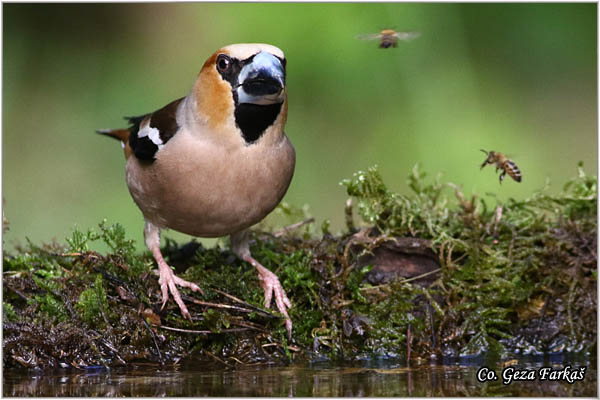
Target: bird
[[215, 162]]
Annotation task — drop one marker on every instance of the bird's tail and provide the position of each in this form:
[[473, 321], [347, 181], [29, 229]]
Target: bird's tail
[[119, 134]]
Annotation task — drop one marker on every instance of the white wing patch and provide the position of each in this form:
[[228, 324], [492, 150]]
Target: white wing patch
[[153, 134]]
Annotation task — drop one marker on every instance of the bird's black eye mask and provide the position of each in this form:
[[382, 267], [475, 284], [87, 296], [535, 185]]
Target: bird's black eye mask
[[229, 68], [251, 119]]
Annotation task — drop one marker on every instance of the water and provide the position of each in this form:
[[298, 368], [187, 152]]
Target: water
[[374, 379]]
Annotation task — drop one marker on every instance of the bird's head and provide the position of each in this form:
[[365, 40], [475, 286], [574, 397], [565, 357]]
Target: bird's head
[[244, 84]]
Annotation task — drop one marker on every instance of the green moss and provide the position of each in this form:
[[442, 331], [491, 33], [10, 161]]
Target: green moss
[[491, 266], [302, 286], [53, 308], [123, 250], [505, 270], [8, 312], [212, 269], [92, 303]]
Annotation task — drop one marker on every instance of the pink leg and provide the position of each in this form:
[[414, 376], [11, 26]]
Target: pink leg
[[269, 281], [270, 284], [167, 279]]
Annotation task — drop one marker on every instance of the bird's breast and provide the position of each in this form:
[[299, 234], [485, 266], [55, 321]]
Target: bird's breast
[[203, 189]]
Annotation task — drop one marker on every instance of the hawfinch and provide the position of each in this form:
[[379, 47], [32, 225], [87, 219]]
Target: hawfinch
[[216, 161]]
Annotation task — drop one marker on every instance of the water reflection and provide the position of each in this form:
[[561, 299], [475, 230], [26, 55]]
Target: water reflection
[[298, 380]]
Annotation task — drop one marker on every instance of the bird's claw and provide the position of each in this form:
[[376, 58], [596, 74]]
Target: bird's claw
[[271, 285], [168, 281]]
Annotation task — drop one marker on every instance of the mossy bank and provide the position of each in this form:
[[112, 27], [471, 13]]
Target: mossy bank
[[428, 274]]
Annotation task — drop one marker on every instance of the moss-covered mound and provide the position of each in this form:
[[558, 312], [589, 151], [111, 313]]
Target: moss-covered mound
[[429, 274]]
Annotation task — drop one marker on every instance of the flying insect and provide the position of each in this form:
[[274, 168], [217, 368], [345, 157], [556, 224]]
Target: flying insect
[[503, 163], [389, 37]]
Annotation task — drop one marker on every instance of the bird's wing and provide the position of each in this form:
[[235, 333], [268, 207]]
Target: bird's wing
[[150, 132], [369, 36]]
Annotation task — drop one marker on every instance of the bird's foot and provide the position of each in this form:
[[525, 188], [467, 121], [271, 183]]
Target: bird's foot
[[268, 280], [168, 282], [271, 285]]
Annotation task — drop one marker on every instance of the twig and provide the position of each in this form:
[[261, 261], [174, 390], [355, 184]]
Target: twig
[[232, 297], [215, 357], [293, 226], [21, 295], [387, 285], [249, 326], [113, 279], [289, 346], [198, 331], [255, 308], [459, 258], [215, 305], [154, 339], [421, 276], [112, 348], [235, 359]]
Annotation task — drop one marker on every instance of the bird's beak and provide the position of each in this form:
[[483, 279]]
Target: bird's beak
[[262, 80]]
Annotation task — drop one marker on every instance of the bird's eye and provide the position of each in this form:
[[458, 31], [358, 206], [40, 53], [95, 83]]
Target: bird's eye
[[223, 63]]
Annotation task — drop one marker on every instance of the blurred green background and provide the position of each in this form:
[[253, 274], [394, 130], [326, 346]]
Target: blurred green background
[[516, 78]]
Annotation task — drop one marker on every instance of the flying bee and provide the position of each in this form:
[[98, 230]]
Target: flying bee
[[389, 37], [502, 162]]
